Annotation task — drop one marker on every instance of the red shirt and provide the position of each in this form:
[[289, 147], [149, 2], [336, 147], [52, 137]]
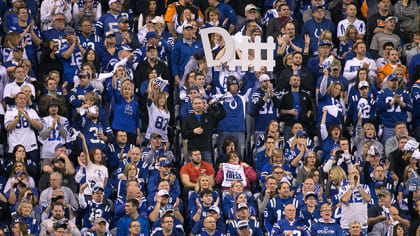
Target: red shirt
[[190, 170]]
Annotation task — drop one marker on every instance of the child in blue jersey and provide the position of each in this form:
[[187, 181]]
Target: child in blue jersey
[[71, 54], [90, 120], [126, 112]]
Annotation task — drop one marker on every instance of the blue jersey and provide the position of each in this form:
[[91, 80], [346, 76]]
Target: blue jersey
[[125, 221], [30, 47], [32, 223], [113, 152], [273, 212], [327, 100], [322, 228], [235, 115], [77, 94], [93, 233], [94, 41], [260, 160], [264, 112], [297, 227], [53, 34], [254, 226], [71, 64], [366, 106], [314, 30], [95, 210], [107, 23], [389, 114], [90, 130], [204, 233], [126, 114]]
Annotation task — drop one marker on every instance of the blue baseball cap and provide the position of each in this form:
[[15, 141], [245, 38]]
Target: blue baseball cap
[[150, 35], [301, 133], [164, 163]]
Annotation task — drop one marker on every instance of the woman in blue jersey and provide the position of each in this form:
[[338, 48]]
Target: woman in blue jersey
[[336, 178], [126, 111], [23, 214], [330, 99], [276, 159], [329, 137], [273, 131], [19, 155], [403, 188], [29, 196], [130, 173], [212, 18], [159, 115], [189, 81]]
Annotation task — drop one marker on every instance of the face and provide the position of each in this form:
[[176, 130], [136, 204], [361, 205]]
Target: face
[[393, 56], [230, 147], [132, 171], [318, 14], [361, 49], [284, 11], [20, 154], [196, 157], [311, 159], [284, 190], [23, 14], [116, 6], [55, 181], [26, 209], [364, 91], [98, 156], [127, 90], [84, 81], [400, 230], [370, 131], [204, 182], [59, 22], [290, 212], [198, 105], [310, 201], [200, 80], [168, 223], [324, 50], [53, 110], [188, 33], [335, 71], [153, 74], [207, 199], [383, 5], [16, 229], [164, 185], [156, 142], [86, 27], [297, 59], [21, 100], [135, 155], [91, 55], [379, 173], [309, 185], [294, 81], [234, 159], [122, 137], [344, 145], [269, 144], [401, 129], [351, 10], [336, 90], [278, 159], [326, 213], [58, 212], [401, 143], [390, 24], [278, 173], [52, 85], [238, 188], [355, 229], [210, 223], [129, 209], [98, 196], [271, 184], [274, 127], [241, 199], [19, 73]]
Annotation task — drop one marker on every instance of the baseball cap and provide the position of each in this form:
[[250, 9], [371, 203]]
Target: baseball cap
[[163, 192], [193, 87], [109, 34], [68, 30], [263, 77], [231, 80], [284, 180], [242, 205], [123, 19], [168, 208], [84, 73], [379, 184], [157, 19], [392, 77], [21, 172], [99, 220], [187, 25], [215, 209], [324, 42], [309, 194], [316, 7], [384, 193], [301, 133], [59, 146], [250, 7], [411, 146], [97, 188], [155, 135], [373, 151], [150, 35], [164, 162], [112, 1], [391, 18], [363, 83], [17, 48], [125, 47], [243, 224]]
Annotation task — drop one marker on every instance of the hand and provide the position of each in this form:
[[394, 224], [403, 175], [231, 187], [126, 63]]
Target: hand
[[366, 65], [359, 115], [307, 39], [26, 115], [324, 109], [138, 140], [293, 112], [225, 22], [176, 203], [198, 203], [166, 147], [286, 39], [325, 71], [81, 136], [198, 130], [121, 154], [244, 164], [280, 40], [122, 176], [172, 178], [81, 163], [54, 122]]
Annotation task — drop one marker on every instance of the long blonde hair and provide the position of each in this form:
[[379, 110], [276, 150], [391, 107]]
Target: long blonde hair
[[158, 96], [198, 186], [338, 175]]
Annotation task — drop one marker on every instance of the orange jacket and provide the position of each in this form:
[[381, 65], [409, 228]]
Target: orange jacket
[[387, 69]]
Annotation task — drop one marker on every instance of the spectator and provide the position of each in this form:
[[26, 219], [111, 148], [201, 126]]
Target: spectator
[[193, 169], [88, 38], [385, 35], [386, 71], [360, 61], [326, 221], [411, 49], [50, 7], [197, 127], [393, 142], [307, 14], [290, 223], [351, 11], [57, 221], [392, 105], [56, 33], [131, 214]]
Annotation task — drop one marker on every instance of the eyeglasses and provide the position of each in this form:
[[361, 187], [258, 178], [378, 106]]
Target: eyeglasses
[[278, 172]]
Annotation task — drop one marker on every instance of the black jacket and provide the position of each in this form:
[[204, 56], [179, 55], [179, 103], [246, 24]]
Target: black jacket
[[305, 105], [208, 122]]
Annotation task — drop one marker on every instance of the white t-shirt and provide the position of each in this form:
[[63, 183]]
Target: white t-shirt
[[95, 176], [342, 27], [23, 132], [355, 209]]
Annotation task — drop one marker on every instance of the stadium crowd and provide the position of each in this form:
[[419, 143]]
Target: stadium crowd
[[113, 124]]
